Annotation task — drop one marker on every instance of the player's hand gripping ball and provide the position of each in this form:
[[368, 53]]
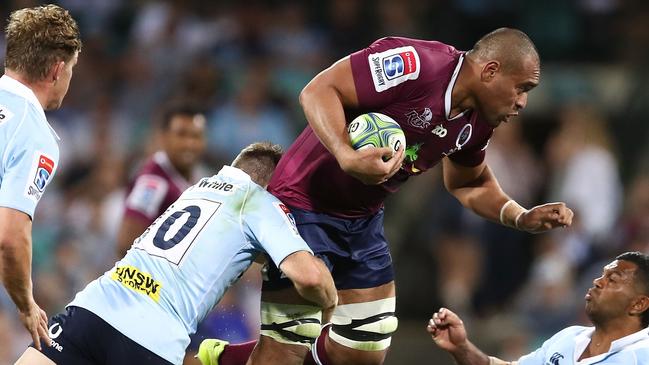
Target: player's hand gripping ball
[[376, 130]]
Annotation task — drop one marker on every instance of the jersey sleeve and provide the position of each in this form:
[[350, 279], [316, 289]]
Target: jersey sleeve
[[533, 358], [385, 72], [29, 165], [472, 156], [272, 227], [146, 197], [539, 356]]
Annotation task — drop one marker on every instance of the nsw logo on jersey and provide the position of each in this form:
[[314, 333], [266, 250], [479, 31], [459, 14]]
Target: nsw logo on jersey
[[41, 173], [138, 281], [394, 66]]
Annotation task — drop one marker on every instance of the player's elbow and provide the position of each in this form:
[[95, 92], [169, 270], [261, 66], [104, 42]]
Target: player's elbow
[[306, 95], [309, 279], [319, 87], [9, 246]]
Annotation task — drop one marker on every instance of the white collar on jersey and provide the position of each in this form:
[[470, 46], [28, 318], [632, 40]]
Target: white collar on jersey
[[238, 173], [583, 339], [162, 159], [449, 91], [16, 87]]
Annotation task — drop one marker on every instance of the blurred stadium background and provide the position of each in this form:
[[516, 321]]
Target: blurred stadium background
[[583, 139]]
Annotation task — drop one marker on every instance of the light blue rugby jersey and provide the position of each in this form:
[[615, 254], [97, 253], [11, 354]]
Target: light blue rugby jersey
[[29, 153], [565, 348], [180, 267]]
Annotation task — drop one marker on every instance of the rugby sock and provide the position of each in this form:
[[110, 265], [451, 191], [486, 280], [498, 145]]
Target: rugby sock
[[320, 349], [237, 354]]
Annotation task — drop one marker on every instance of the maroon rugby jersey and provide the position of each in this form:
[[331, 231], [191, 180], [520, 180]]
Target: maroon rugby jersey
[[156, 186], [411, 81]]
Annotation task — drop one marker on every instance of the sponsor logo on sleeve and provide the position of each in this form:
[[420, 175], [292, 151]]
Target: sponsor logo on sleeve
[[41, 173], [554, 359], [138, 281], [462, 138], [394, 66], [288, 217]]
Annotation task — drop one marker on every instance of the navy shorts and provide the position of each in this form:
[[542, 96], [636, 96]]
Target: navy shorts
[[354, 249], [82, 338]]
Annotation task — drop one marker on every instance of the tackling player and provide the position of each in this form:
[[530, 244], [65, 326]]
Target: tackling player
[[144, 309], [42, 46], [166, 174], [448, 103], [617, 304]]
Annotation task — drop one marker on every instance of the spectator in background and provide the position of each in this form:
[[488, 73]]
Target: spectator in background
[[166, 174], [509, 154], [585, 176], [634, 225], [248, 116]]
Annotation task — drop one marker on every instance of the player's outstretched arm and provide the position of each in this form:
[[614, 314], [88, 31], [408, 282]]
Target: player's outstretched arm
[[323, 100], [448, 333], [311, 278], [477, 189], [16, 267]]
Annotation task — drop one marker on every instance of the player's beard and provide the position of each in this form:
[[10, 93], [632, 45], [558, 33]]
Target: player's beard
[[599, 316]]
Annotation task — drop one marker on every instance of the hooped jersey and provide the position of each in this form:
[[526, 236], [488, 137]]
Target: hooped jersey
[[180, 267], [411, 81], [29, 153]]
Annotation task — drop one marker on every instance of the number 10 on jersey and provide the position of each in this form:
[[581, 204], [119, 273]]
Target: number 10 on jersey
[[174, 232]]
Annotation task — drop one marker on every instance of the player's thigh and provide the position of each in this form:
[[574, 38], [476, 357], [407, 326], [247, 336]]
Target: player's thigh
[[34, 357], [362, 325]]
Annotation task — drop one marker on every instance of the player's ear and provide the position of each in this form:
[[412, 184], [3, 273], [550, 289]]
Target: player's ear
[[489, 70], [640, 305], [56, 70]]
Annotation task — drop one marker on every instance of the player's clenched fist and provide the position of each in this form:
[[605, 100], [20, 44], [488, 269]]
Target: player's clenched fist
[[545, 217], [447, 330]]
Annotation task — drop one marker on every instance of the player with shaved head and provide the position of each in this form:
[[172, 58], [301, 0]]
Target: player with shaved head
[[448, 103]]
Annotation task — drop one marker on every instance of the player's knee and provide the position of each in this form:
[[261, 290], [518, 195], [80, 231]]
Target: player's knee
[[290, 323], [365, 326], [33, 357]]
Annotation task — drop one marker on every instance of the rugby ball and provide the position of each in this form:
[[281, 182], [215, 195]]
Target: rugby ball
[[375, 130]]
